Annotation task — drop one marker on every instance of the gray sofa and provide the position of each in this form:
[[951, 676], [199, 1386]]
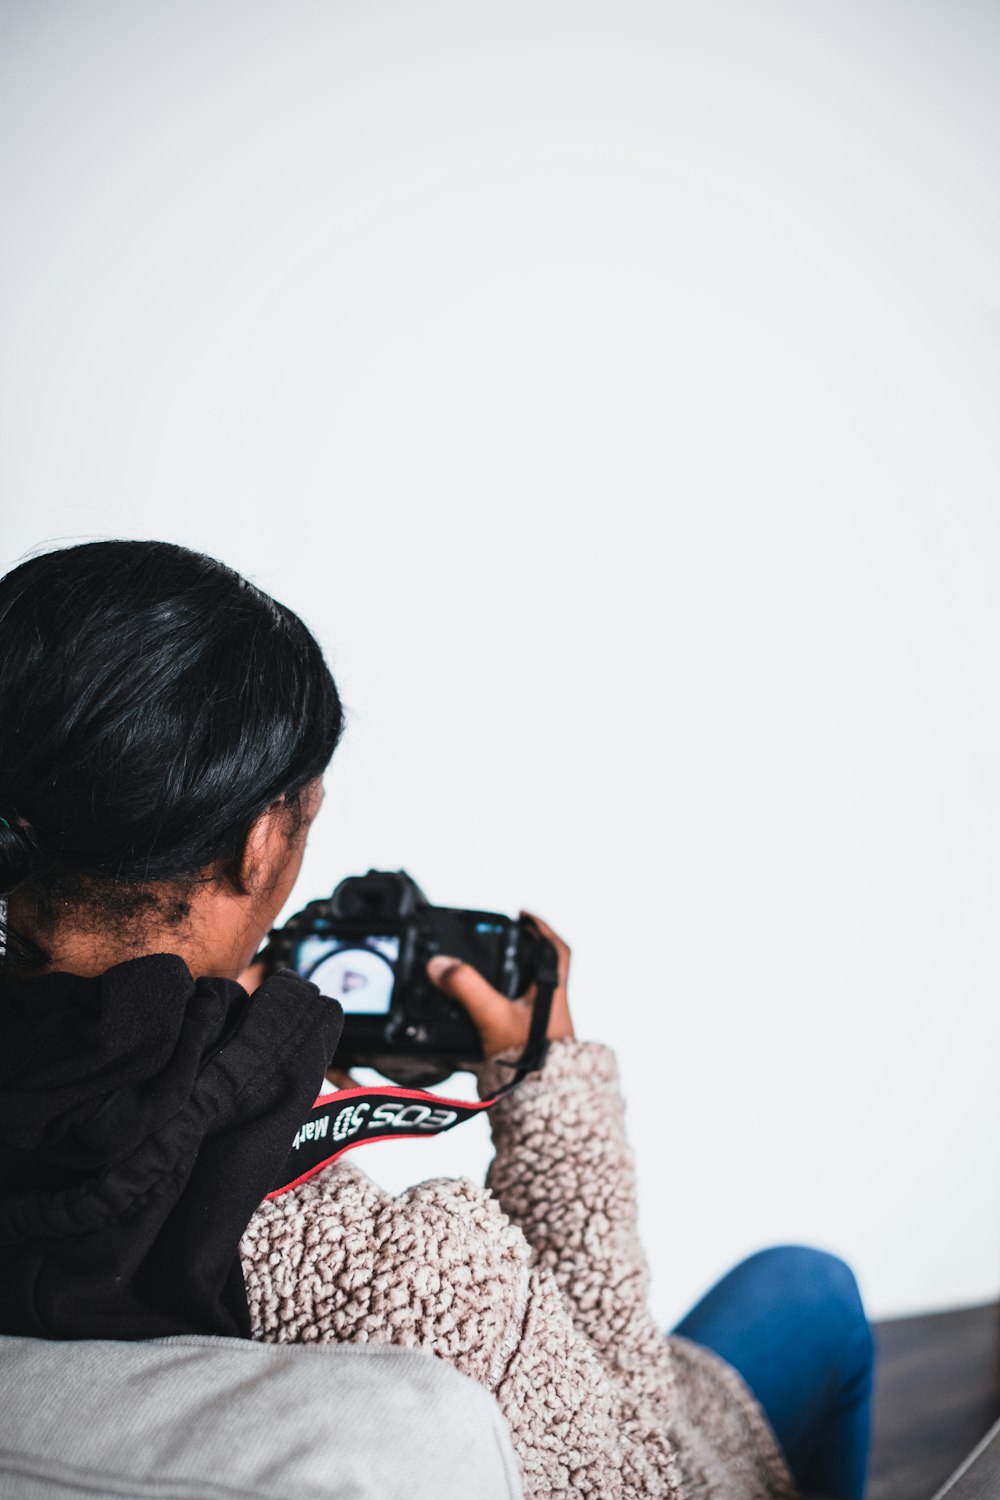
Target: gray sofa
[[202, 1418]]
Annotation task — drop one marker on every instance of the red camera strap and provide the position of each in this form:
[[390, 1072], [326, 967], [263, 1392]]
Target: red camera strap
[[352, 1117]]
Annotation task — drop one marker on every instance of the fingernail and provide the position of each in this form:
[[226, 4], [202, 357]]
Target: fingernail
[[440, 965]]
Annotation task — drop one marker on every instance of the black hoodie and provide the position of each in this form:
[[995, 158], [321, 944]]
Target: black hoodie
[[143, 1118]]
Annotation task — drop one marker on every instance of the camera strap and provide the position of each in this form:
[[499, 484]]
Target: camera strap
[[340, 1121]]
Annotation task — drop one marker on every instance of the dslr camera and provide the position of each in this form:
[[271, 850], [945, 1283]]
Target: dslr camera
[[367, 946]]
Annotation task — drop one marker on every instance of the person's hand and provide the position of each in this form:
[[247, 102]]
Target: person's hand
[[504, 1023], [341, 1079], [252, 978]]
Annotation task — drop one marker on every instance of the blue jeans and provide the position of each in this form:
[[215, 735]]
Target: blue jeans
[[790, 1321]]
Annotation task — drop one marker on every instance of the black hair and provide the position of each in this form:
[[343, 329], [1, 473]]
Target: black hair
[[152, 704]]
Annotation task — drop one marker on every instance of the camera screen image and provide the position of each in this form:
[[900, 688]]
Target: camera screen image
[[359, 972]]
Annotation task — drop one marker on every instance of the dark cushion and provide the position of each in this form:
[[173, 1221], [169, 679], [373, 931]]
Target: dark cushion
[[978, 1478]]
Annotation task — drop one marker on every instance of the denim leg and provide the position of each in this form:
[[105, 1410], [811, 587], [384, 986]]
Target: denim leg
[[790, 1320]]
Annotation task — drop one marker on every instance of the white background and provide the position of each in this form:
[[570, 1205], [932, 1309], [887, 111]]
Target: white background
[[614, 390]]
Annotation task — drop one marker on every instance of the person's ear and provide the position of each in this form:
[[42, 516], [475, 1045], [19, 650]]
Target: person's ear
[[266, 852]]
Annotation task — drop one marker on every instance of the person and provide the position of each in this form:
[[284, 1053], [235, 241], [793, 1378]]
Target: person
[[164, 731]]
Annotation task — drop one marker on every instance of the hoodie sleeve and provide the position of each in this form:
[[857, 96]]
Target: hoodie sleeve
[[563, 1172]]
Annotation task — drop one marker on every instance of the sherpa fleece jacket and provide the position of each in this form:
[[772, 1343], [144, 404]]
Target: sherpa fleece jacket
[[535, 1285]]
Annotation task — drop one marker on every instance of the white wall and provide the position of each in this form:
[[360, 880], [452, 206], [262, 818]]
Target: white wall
[[613, 387]]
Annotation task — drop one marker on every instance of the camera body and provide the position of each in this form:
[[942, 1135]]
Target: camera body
[[367, 945]]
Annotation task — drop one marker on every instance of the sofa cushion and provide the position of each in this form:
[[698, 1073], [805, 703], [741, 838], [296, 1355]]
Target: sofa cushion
[[196, 1417]]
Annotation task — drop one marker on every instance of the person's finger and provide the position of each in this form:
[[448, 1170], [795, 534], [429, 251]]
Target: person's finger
[[562, 948], [466, 985], [501, 1022]]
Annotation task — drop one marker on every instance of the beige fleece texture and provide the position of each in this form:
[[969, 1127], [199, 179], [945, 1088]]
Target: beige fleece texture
[[536, 1285]]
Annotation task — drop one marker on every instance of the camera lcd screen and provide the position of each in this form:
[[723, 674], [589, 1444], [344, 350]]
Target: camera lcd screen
[[359, 972]]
